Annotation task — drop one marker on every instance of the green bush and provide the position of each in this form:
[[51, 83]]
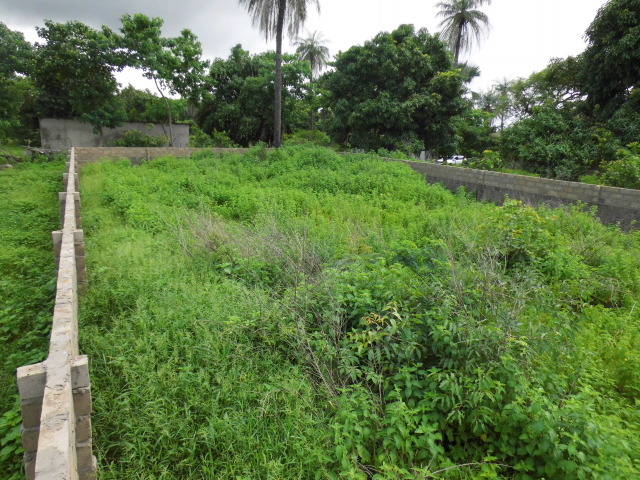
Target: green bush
[[135, 138], [623, 172], [302, 137], [490, 160], [199, 139]]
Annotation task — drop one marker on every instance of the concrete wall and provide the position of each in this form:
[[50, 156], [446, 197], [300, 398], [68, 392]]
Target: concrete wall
[[57, 134], [615, 205], [55, 395], [138, 154]]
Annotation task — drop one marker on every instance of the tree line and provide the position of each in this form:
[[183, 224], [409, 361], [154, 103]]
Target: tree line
[[403, 91]]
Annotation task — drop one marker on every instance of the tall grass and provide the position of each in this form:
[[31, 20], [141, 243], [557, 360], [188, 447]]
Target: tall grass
[[298, 314], [29, 211]]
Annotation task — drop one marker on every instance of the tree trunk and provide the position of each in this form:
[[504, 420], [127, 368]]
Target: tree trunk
[[277, 101], [168, 111], [458, 46]]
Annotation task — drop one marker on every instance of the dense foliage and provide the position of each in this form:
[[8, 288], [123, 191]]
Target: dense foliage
[[398, 91], [610, 74], [16, 91], [301, 314], [239, 99], [30, 212], [143, 106], [74, 73], [136, 138], [581, 113]]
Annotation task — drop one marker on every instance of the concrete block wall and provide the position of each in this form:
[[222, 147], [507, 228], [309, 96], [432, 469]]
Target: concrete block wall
[[61, 134], [56, 393], [139, 154], [615, 205]]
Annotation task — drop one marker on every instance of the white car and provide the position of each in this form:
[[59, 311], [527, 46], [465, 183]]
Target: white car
[[454, 160]]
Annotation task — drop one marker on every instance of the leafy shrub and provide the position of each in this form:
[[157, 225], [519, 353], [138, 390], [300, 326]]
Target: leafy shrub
[[624, 172], [302, 137], [135, 138], [383, 152], [199, 139], [490, 160]]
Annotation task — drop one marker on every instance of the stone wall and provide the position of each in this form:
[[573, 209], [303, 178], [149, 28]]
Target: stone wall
[[615, 205], [55, 394], [58, 134]]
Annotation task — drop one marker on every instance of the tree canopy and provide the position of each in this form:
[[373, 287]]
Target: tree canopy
[[174, 64], [312, 49], [239, 99], [74, 72], [398, 91], [611, 62], [463, 24], [16, 54], [17, 93]]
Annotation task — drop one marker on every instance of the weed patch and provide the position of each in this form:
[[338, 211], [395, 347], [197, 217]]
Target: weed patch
[[300, 314]]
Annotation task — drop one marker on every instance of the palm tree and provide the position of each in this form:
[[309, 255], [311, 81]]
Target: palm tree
[[270, 16], [312, 49], [462, 23]]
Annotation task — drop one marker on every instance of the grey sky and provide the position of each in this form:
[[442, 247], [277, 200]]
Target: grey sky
[[525, 35]]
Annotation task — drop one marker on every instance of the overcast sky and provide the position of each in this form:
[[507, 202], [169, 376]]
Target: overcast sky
[[524, 36]]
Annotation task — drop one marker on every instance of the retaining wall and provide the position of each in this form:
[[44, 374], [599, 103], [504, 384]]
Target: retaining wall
[[56, 393], [615, 205]]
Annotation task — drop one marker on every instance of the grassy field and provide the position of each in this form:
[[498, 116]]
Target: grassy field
[[298, 314], [29, 212]]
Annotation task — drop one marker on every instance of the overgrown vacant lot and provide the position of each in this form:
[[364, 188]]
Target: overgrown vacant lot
[[298, 314], [29, 211]]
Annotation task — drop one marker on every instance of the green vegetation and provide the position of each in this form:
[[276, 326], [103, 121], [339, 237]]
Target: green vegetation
[[398, 91], [242, 101], [30, 212], [300, 314], [135, 138], [403, 90]]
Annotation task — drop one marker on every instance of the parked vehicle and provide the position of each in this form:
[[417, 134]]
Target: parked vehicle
[[454, 160]]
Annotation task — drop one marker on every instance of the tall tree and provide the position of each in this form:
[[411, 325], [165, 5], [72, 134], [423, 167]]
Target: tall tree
[[312, 49], [610, 74], [172, 63], [74, 72], [270, 16], [16, 54], [17, 116], [463, 24], [399, 91], [240, 98]]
